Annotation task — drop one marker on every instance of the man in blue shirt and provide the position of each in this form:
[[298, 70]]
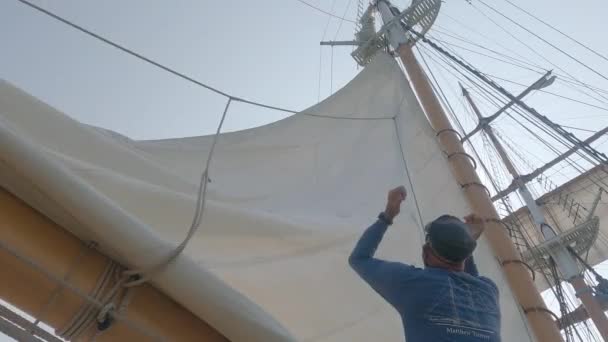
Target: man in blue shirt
[[445, 301]]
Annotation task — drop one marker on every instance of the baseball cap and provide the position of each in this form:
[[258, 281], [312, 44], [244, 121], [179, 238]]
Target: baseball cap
[[450, 238]]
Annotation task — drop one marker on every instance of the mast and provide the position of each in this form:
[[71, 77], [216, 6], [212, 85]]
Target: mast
[[564, 260], [540, 319]]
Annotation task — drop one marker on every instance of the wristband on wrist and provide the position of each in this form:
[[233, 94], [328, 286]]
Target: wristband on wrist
[[382, 217]]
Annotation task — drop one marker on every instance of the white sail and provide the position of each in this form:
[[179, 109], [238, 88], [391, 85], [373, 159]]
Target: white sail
[[286, 203]]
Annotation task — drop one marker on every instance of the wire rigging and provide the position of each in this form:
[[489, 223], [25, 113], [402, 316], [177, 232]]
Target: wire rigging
[[485, 48], [545, 41], [477, 32], [333, 3], [536, 52], [342, 19], [320, 10], [550, 146], [550, 93], [600, 157], [561, 77], [485, 55], [184, 76], [559, 31]]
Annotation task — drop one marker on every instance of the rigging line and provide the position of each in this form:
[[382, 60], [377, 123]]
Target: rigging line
[[485, 48], [580, 129], [437, 89], [544, 40], [485, 55], [559, 31], [409, 178], [520, 112], [600, 157], [320, 10], [482, 88], [477, 32], [453, 112], [562, 78], [541, 90], [82, 294], [182, 75], [560, 139], [492, 181], [512, 145], [536, 52], [320, 73], [148, 272], [485, 93], [333, 3], [331, 72], [439, 29], [430, 55], [528, 239], [342, 19], [550, 93]]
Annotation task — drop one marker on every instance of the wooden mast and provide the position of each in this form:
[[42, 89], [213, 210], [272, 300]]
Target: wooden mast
[[541, 322], [574, 276]]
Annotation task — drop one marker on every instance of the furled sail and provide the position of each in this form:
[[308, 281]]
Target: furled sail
[[286, 203]]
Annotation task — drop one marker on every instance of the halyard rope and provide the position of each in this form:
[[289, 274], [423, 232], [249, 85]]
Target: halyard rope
[[94, 302], [147, 273]]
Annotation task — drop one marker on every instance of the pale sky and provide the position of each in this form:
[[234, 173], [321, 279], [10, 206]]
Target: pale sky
[[266, 51]]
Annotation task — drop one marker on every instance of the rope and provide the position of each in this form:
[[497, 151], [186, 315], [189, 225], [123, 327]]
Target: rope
[[86, 249], [146, 274], [342, 20], [559, 31], [333, 3], [486, 55], [90, 299], [179, 74], [517, 109], [322, 11], [105, 291], [600, 157], [561, 77], [502, 54], [580, 129], [544, 40], [409, 179], [550, 93], [534, 51]]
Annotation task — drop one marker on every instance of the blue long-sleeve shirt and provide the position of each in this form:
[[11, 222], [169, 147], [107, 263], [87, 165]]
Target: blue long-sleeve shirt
[[435, 304]]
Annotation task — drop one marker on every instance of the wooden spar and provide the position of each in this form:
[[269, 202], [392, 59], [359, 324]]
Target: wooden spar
[[541, 322], [34, 236], [582, 290]]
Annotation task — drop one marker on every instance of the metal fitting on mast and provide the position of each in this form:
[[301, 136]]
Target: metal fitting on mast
[[420, 15]]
